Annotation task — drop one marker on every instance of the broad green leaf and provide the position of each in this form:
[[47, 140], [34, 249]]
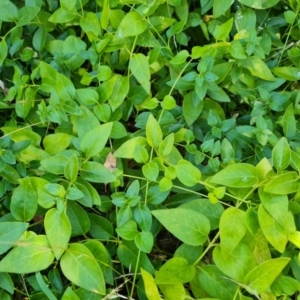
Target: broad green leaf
[[175, 270], [71, 168], [90, 24], [151, 289], [153, 132], [80, 222], [188, 174], [69, 294], [139, 67], [288, 73], [24, 202], [144, 241], [119, 91], [126, 150], [281, 154], [276, 205], [22, 134], [95, 172], [143, 217], [57, 142], [289, 122], [3, 50], [33, 254], [191, 112], [283, 184], [26, 14], [237, 264], [100, 227], [259, 4], [174, 291], [262, 276], [54, 164], [8, 11], [95, 140], [167, 144], [187, 225], [131, 25], [151, 170], [80, 266], [232, 229], [87, 96], [10, 232], [276, 235], [216, 284], [84, 122], [190, 253], [220, 7], [128, 231], [237, 175], [58, 231], [128, 254], [39, 38], [63, 16], [261, 251], [258, 68], [91, 195], [294, 238], [6, 283], [212, 211], [221, 32], [10, 174]]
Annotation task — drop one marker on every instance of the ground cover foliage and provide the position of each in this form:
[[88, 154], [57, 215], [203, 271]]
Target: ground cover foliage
[[149, 149]]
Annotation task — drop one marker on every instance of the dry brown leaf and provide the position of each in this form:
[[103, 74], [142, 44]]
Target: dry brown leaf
[[110, 162]]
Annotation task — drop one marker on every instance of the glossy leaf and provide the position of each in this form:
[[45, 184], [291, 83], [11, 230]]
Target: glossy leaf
[[80, 266], [189, 226], [175, 270]]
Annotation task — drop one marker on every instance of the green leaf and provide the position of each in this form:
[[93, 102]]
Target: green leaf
[[281, 154], [153, 132], [58, 231], [191, 112], [3, 50], [6, 283], [283, 184], [80, 222], [220, 7], [119, 91], [258, 68], [131, 25], [87, 96], [69, 294], [151, 170], [95, 140], [26, 14], [8, 11], [95, 172], [289, 122], [151, 289], [139, 67], [63, 16], [128, 231], [221, 32], [237, 175], [143, 217], [10, 232], [188, 174], [100, 228], [144, 241], [175, 270], [215, 283], [24, 202], [239, 262], [262, 276], [54, 164], [80, 266], [128, 254], [71, 168], [276, 235], [126, 150], [232, 230], [57, 142], [33, 254], [187, 225], [288, 73], [212, 211], [259, 4]]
